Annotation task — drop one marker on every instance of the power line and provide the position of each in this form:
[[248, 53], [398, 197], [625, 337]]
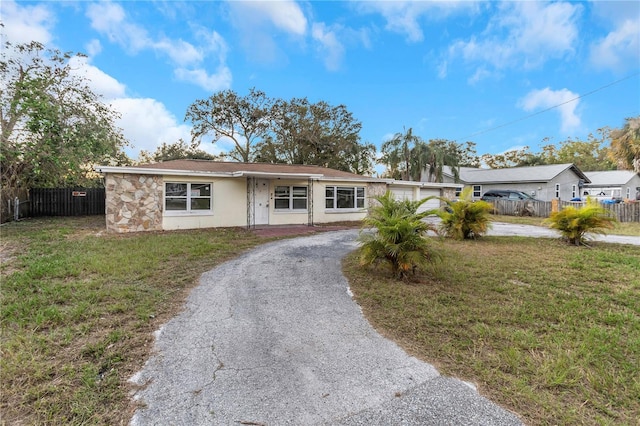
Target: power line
[[550, 108]]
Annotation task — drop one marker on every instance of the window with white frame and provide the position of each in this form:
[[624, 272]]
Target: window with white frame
[[458, 191], [628, 193], [344, 197], [290, 198], [187, 197], [557, 190], [573, 191], [477, 191]]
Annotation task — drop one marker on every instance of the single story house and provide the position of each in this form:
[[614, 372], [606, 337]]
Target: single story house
[[563, 181], [190, 194], [613, 184]]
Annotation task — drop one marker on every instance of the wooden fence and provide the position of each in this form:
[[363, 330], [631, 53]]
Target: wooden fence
[[66, 202], [624, 212]]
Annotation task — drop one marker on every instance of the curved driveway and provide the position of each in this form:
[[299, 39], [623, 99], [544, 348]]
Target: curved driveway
[[274, 338]]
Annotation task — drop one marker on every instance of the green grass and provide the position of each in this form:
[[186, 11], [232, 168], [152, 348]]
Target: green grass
[[79, 307], [631, 229], [547, 330]]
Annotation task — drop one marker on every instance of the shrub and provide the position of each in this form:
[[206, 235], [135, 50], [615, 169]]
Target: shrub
[[465, 219], [575, 222], [399, 238]]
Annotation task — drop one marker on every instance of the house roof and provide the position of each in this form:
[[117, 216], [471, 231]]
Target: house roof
[[517, 174], [611, 177], [232, 169]]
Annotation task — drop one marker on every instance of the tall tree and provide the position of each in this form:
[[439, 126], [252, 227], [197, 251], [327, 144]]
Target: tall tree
[[315, 133], [396, 154], [54, 127], [431, 159], [409, 157], [245, 120], [511, 158], [175, 151], [625, 145], [589, 155]]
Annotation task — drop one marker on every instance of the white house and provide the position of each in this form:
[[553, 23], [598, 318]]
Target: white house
[[188, 194], [614, 184]]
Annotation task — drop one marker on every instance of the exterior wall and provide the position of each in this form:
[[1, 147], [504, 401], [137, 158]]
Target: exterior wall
[[544, 191], [633, 187], [292, 217], [229, 205], [323, 215], [133, 202]]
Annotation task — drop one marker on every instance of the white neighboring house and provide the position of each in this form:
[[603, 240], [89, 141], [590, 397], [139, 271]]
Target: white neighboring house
[[563, 181], [613, 185]]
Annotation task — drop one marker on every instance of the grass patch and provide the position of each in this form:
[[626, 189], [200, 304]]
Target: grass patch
[[549, 331], [631, 229], [78, 308]]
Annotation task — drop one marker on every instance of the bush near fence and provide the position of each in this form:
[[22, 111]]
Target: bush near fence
[[624, 212]]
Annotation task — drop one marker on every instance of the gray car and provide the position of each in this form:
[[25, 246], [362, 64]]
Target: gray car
[[506, 194]]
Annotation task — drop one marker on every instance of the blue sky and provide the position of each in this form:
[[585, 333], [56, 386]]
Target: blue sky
[[452, 70]]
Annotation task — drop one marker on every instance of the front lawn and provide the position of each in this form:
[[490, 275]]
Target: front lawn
[[78, 309], [547, 330]]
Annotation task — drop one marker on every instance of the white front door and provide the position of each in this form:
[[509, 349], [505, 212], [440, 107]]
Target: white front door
[[261, 202]]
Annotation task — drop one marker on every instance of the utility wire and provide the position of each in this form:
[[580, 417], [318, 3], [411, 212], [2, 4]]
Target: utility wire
[[550, 108]]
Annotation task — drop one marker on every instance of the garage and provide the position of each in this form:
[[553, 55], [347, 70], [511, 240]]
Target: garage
[[431, 204], [402, 193]]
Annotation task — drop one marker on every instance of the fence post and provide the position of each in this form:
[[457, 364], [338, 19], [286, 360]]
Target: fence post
[[555, 205], [16, 209]]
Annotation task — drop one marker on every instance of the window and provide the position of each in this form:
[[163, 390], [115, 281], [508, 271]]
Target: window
[[628, 194], [290, 198], [477, 191], [573, 191], [344, 197], [557, 190], [187, 197], [458, 191]]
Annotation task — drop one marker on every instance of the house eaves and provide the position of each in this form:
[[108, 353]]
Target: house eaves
[[157, 172], [533, 174], [611, 177]]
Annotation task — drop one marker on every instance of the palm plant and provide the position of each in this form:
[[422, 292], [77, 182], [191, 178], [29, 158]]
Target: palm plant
[[575, 222], [625, 145], [464, 218], [399, 240]]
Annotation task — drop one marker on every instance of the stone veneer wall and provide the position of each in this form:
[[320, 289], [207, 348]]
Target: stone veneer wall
[[133, 202]]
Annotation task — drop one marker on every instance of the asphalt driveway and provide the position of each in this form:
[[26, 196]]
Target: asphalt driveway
[[274, 338]]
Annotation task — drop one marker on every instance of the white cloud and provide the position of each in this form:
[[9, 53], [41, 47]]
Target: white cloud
[[562, 99], [111, 20], [403, 16], [211, 82], [521, 35], [26, 23], [101, 83], [93, 47], [259, 23], [619, 50], [329, 45], [146, 123]]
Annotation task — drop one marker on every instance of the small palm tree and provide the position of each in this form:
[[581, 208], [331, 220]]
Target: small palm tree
[[464, 218], [574, 223], [400, 239]]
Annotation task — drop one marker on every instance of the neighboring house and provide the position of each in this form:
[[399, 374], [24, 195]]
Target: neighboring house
[[188, 194], [614, 184], [563, 181]]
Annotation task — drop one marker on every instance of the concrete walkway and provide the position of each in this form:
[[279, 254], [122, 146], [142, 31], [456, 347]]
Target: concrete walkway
[[274, 338]]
